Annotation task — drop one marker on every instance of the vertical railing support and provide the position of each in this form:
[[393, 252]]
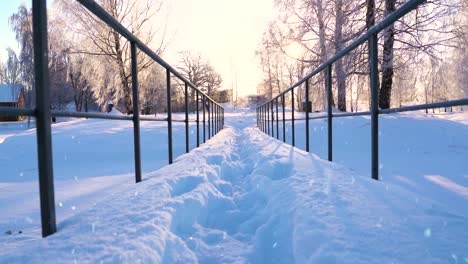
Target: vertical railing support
[[217, 119], [187, 147], [277, 121], [292, 121], [209, 119], [328, 83], [43, 129], [263, 117], [307, 114], [169, 115], [198, 118], [272, 120], [374, 84], [267, 114], [284, 118], [136, 113], [204, 118]]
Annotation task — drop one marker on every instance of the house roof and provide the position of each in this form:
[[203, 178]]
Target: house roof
[[9, 92]]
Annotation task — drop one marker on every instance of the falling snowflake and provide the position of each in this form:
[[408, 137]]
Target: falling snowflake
[[60, 204], [311, 182], [275, 244], [427, 232], [136, 193], [73, 208]]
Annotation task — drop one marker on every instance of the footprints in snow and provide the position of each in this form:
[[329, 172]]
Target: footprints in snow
[[185, 185]]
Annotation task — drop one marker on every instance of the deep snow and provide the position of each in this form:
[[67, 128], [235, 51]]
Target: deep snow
[[244, 197]]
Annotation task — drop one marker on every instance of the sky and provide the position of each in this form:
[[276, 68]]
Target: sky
[[224, 32], [7, 8]]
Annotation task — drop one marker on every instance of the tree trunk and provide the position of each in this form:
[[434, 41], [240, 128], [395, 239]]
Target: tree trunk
[[370, 13], [387, 60], [323, 46], [339, 70], [127, 99]]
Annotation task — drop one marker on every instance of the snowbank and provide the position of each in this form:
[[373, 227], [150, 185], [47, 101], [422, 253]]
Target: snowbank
[[244, 197]]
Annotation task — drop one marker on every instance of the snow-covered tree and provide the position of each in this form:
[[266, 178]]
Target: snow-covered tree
[[109, 50]]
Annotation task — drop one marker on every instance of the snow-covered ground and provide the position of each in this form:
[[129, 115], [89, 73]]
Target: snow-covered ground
[[244, 197]]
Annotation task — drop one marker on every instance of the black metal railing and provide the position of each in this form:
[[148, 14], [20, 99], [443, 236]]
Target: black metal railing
[[265, 121], [43, 114]]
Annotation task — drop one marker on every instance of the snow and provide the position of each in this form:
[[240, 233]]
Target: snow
[[244, 197]]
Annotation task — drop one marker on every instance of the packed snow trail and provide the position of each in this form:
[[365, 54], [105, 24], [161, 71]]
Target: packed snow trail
[[244, 197]]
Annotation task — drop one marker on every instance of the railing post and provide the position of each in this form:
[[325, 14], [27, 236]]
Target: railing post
[[213, 117], [284, 118], [209, 119], [43, 129], [277, 121], [169, 115], [263, 119], [272, 120], [217, 119], [307, 114], [204, 118], [292, 116], [328, 83], [187, 147], [267, 114], [198, 118], [374, 84], [136, 113]]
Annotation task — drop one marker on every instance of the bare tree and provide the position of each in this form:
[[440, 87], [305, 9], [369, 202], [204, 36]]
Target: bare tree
[[11, 71], [199, 72], [104, 42], [21, 23]]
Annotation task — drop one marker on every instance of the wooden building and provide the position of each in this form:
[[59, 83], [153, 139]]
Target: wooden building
[[12, 95]]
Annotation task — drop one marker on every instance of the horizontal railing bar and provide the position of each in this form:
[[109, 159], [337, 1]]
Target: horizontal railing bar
[[318, 117], [102, 14], [142, 118], [345, 114], [89, 115], [387, 21], [459, 102], [107, 116], [6, 110]]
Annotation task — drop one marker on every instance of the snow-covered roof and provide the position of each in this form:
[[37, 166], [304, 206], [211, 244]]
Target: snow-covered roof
[[9, 92]]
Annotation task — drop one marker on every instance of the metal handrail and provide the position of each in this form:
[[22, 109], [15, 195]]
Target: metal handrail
[[387, 21], [264, 122], [43, 113], [105, 17]]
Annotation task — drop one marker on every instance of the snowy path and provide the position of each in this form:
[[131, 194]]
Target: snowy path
[[246, 198]]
